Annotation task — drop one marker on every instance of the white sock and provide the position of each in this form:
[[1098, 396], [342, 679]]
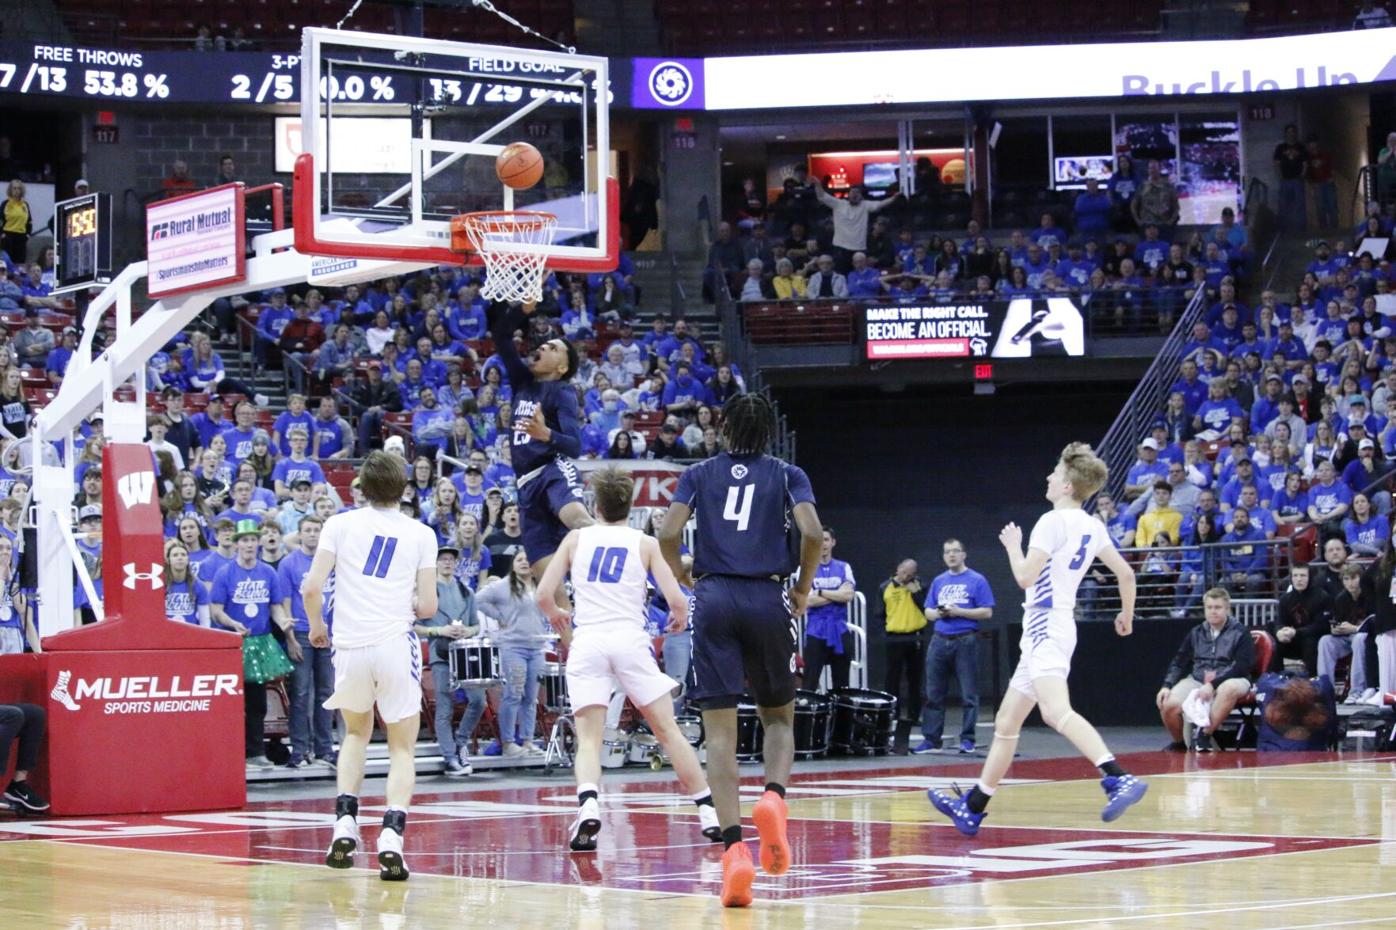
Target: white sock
[[985, 788], [581, 789]]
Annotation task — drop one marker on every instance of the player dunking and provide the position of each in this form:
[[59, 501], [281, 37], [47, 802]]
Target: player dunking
[[608, 585], [743, 623], [385, 571], [1062, 546], [547, 436]]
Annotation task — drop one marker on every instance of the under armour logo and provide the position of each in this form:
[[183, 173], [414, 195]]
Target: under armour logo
[[135, 488], [152, 576], [60, 691]]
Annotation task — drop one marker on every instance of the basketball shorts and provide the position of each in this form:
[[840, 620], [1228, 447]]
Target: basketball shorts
[[744, 639], [1049, 639], [621, 651], [541, 498], [388, 674]]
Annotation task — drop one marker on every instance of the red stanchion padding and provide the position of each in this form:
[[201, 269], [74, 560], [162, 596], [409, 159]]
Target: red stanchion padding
[[145, 715], [133, 566]]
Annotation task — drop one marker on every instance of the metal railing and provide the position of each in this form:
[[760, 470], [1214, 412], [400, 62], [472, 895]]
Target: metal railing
[[1171, 579], [740, 350], [678, 296], [858, 665], [1363, 193], [1108, 313], [1147, 401]]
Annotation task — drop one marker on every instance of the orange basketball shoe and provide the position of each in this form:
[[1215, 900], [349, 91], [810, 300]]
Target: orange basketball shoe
[[737, 875], [769, 814]]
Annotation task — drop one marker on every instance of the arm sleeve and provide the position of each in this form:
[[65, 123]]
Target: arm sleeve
[[567, 438], [329, 536], [797, 486], [503, 335], [493, 597], [1181, 666], [984, 597], [426, 556], [1241, 660], [278, 590], [1046, 534], [686, 490], [219, 592]]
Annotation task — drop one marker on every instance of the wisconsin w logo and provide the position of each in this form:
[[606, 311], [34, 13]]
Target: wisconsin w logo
[[135, 488]]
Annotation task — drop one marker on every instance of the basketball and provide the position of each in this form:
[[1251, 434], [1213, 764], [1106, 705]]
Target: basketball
[[520, 165]]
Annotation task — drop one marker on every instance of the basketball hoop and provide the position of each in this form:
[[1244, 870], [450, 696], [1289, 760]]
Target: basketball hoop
[[514, 246]]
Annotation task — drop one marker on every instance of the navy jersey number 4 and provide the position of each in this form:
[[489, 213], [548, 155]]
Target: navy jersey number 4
[[742, 504]]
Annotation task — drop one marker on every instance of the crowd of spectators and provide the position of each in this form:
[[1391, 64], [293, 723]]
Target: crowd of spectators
[[1281, 423], [1118, 248]]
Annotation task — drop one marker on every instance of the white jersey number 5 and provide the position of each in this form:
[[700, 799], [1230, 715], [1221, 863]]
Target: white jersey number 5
[[738, 506]]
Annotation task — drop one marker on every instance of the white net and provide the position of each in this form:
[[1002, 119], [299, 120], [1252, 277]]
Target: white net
[[514, 247]]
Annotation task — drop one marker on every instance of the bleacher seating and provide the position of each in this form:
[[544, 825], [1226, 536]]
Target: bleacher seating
[[706, 27], [278, 23], [814, 323]]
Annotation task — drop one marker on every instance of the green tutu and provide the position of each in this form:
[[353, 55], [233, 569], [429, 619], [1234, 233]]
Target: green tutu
[[263, 659]]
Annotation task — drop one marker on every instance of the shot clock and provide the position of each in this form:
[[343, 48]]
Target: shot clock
[[82, 247]]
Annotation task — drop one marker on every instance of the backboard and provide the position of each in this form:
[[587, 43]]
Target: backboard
[[399, 134]]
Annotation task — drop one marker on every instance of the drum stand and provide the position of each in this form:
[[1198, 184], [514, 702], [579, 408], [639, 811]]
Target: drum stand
[[560, 742]]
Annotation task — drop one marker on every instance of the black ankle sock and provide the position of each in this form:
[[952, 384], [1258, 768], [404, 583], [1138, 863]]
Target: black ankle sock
[[976, 800], [731, 837], [705, 799], [1111, 768], [778, 789], [585, 796], [346, 805], [395, 820]]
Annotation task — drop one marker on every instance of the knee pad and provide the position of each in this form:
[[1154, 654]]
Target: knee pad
[[1060, 725], [1006, 737]]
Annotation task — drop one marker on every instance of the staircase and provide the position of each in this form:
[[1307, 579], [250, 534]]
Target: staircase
[[272, 383], [673, 283]]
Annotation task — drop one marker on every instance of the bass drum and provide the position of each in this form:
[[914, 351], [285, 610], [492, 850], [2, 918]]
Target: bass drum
[[750, 734], [691, 726], [813, 719], [863, 721]]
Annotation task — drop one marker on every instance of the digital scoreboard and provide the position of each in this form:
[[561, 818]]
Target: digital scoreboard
[[82, 242]]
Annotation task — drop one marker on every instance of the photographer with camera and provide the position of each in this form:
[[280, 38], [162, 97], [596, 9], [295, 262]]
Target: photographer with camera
[[904, 598]]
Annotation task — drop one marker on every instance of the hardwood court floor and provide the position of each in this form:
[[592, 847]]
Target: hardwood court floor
[[1239, 841]]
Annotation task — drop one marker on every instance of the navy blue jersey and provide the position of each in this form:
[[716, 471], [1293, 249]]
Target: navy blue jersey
[[557, 399], [743, 504]]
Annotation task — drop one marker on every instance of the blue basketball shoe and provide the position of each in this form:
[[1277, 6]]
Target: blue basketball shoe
[[957, 809], [1121, 791]]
